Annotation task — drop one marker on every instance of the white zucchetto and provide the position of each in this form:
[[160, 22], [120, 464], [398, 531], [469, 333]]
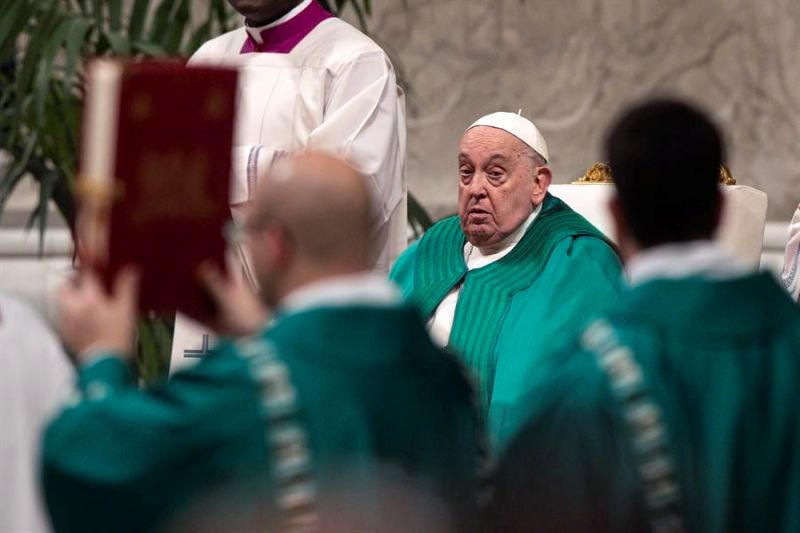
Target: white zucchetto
[[518, 126]]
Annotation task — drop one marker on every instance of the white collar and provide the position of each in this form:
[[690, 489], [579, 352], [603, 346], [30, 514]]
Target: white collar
[[475, 258], [367, 288], [255, 31], [682, 260]]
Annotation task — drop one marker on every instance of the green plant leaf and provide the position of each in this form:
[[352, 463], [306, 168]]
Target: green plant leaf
[[79, 29], [174, 35], [200, 35], [6, 96], [16, 171], [150, 49], [137, 20], [114, 15], [47, 181], [362, 19], [13, 20], [148, 351], [9, 183], [153, 349], [82, 7], [120, 45], [65, 201], [161, 21], [34, 53], [59, 141], [97, 13], [223, 16], [102, 46], [44, 73]]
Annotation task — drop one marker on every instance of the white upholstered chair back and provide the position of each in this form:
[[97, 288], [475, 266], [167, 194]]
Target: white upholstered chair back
[[743, 219]]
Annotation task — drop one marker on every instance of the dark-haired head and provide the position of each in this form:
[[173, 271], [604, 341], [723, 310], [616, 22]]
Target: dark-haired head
[[665, 157]]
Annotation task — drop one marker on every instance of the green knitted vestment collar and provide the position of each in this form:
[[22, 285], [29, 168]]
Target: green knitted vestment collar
[[486, 292]]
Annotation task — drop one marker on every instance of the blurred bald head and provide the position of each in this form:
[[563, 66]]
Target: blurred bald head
[[310, 220]]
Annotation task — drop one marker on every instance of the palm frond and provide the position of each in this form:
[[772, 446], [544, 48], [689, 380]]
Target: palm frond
[[47, 76], [43, 47]]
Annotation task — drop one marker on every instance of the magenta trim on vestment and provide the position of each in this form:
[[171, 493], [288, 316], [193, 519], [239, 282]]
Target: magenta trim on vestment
[[283, 38]]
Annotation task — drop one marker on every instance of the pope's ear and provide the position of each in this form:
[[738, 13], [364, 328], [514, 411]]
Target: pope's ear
[[542, 180]]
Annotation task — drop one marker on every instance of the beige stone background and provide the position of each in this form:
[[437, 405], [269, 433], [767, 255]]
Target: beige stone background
[[573, 65]]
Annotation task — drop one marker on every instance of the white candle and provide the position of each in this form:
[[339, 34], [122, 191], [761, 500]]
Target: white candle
[[100, 128]]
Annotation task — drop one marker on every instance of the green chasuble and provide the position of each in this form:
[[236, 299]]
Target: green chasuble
[[558, 276], [720, 361], [340, 415]]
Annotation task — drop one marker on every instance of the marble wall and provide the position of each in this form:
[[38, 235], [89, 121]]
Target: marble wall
[[572, 65]]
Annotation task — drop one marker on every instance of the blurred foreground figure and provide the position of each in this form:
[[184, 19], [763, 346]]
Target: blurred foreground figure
[[35, 378], [516, 271], [310, 425], [678, 410]]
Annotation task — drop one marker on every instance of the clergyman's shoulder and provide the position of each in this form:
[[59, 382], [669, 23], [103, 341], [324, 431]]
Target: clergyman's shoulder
[[337, 38], [225, 44], [595, 249]]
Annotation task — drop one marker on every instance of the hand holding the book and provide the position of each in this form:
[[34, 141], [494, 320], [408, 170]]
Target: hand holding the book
[[92, 320], [239, 311]]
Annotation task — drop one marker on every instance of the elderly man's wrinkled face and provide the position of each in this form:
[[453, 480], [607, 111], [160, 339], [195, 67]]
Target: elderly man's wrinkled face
[[262, 11], [499, 184]]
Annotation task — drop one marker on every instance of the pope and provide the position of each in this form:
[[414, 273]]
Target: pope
[[515, 272]]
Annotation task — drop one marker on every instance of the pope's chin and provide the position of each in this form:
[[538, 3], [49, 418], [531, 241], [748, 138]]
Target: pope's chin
[[477, 233]]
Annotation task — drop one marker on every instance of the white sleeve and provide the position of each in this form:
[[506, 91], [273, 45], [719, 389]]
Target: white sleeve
[[250, 163], [364, 123], [792, 258]]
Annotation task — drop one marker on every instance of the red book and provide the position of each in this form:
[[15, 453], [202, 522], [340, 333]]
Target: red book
[[155, 172]]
